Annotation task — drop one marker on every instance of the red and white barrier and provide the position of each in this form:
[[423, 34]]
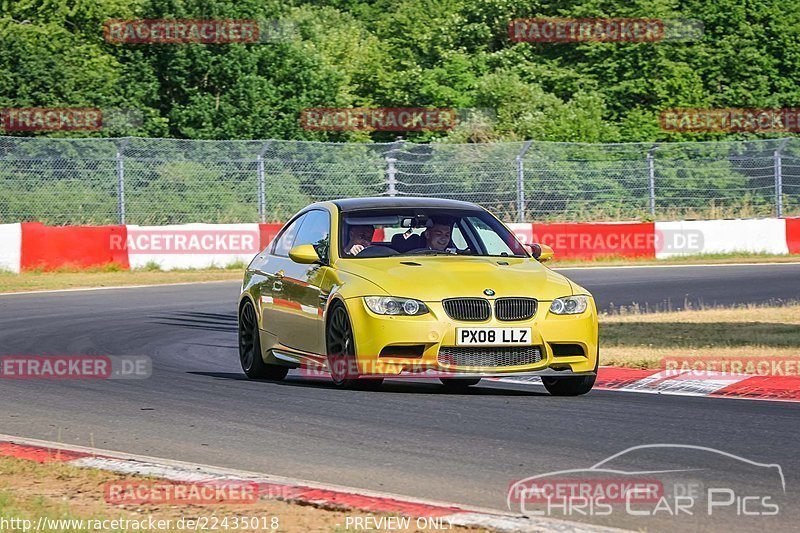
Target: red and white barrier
[[191, 245], [52, 247], [767, 235], [10, 247], [31, 245], [687, 383]]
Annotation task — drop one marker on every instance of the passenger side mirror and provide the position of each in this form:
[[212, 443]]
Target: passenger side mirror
[[540, 252], [305, 254]]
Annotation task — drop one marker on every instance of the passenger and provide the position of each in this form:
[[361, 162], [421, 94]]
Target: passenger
[[359, 237], [438, 235]]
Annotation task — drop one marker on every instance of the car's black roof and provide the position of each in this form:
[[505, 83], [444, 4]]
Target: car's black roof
[[378, 202]]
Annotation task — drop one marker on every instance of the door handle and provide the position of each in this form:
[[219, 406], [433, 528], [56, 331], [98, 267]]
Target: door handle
[[277, 286]]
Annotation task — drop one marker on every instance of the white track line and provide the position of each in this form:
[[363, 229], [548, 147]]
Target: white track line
[[193, 472], [674, 266]]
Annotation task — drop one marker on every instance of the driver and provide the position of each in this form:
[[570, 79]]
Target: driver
[[437, 236], [358, 238]]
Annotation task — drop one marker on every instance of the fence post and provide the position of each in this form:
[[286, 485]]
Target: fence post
[[262, 192], [778, 171], [521, 182], [391, 171], [121, 180], [651, 175], [391, 178]]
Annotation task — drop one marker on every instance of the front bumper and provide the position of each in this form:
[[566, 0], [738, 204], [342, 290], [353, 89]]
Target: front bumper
[[375, 333]]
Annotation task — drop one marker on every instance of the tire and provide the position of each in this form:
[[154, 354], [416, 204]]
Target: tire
[[572, 386], [250, 348], [459, 384], [569, 386], [342, 352]]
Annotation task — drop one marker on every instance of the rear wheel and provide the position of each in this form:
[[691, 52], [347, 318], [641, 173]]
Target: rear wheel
[[342, 351], [250, 348], [459, 384]]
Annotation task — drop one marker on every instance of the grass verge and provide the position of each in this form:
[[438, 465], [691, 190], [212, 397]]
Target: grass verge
[[33, 281], [641, 340], [30, 490]]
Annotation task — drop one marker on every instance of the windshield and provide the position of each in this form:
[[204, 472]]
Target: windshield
[[417, 232]]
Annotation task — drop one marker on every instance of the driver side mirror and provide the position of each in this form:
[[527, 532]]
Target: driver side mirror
[[540, 252], [305, 254]]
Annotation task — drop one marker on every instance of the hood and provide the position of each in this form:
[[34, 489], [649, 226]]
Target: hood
[[435, 278]]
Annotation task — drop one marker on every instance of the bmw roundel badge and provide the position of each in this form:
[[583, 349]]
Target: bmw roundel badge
[[488, 292]]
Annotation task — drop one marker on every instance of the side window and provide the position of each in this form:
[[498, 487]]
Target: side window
[[494, 243], [316, 231], [458, 239], [287, 238]]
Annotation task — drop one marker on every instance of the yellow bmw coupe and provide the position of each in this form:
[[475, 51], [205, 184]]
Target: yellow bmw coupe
[[369, 288]]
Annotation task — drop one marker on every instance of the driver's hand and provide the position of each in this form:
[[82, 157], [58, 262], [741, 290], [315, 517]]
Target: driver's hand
[[355, 249]]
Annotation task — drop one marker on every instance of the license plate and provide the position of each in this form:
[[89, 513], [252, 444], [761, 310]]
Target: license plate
[[493, 336]]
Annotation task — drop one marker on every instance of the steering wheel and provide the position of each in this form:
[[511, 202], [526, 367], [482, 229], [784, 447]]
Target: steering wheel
[[377, 251]]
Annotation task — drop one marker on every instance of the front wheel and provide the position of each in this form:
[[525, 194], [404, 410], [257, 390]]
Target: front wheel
[[573, 386], [342, 352], [569, 386], [250, 348]]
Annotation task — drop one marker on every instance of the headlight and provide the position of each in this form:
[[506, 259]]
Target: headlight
[[569, 305], [388, 305]]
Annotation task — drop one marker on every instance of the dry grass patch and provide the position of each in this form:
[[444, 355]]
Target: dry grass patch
[[641, 340], [30, 490]]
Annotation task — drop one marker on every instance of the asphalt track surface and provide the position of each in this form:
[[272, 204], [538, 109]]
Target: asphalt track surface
[[408, 438]]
